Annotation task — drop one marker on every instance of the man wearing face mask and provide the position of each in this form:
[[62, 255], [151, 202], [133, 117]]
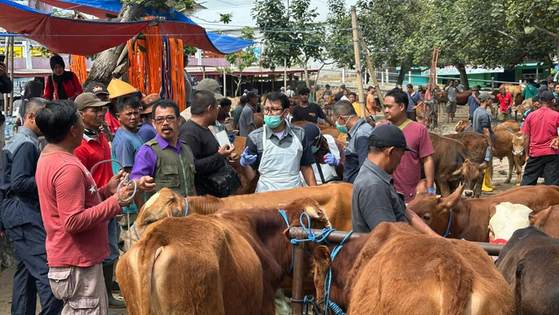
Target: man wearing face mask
[[326, 150], [357, 130]]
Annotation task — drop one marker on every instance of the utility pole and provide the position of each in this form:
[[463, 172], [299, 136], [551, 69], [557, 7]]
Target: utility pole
[[370, 66], [357, 61]]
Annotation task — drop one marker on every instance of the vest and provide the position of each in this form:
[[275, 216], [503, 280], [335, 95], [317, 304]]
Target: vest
[[173, 171]]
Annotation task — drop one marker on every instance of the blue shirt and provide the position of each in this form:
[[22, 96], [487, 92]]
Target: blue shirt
[[472, 104], [413, 100], [125, 145], [147, 132], [357, 149]]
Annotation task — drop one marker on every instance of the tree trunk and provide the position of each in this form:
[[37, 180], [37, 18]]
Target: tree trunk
[[107, 61], [239, 81], [463, 75], [306, 69], [402, 74]]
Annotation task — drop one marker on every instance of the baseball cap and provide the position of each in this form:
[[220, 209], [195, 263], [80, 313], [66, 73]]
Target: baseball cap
[[210, 85], [535, 99], [388, 136], [97, 88], [118, 88], [88, 99], [546, 96], [483, 96]]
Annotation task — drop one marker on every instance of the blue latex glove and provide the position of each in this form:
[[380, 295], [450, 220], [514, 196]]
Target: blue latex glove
[[247, 159], [331, 159]]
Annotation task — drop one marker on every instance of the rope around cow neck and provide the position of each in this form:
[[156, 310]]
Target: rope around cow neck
[[447, 233]]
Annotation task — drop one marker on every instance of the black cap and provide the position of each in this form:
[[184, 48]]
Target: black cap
[[535, 99], [388, 136], [546, 96]]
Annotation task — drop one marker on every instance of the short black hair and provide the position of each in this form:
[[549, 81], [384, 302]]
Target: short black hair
[[127, 101], [409, 86], [164, 103], [251, 95], [344, 108], [304, 91], [352, 93], [244, 99], [56, 118], [200, 101], [327, 86], [400, 97], [277, 96], [224, 102]]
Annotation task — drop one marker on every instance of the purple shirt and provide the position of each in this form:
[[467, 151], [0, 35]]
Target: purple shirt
[[146, 159]]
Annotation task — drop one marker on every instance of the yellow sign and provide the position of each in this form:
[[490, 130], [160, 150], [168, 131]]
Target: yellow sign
[[18, 51]]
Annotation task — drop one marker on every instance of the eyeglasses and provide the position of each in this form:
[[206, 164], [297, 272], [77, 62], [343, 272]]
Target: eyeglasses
[[170, 119], [272, 110]]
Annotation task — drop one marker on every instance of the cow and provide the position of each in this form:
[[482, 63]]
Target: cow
[[476, 147], [530, 264], [469, 218], [515, 91], [335, 199], [333, 131], [464, 126], [503, 145], [518, 153], [398, 271], [451, 164], [508, 218], [229, 263], [547, 220], [247, 187]]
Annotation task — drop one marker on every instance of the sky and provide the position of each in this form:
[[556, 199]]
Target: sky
[[242, 12]]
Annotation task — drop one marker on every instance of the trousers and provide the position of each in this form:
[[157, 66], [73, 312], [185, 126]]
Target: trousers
[[546, 166]]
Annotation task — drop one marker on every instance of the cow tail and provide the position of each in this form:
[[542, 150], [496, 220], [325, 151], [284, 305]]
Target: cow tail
[[518, 286], [456, 286], [148, 254]]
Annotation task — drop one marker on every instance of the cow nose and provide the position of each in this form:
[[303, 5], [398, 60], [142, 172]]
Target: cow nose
[[468, 193]]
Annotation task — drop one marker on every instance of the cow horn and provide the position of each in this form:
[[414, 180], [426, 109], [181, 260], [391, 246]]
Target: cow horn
[[452, 200]]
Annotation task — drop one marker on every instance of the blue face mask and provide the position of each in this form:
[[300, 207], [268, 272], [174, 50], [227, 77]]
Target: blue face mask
[[342, 129], [273, 121], [314, 149]]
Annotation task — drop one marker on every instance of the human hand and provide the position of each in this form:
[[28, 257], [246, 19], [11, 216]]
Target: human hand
[[247, 159], [145, 184], [125, 192], [115, 180], [233, 157], [226, 150], [3, 68], [331, 159], [554, 143]]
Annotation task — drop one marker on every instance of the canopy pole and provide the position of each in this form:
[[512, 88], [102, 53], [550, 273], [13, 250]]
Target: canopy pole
[[11, 75], [285, 74]]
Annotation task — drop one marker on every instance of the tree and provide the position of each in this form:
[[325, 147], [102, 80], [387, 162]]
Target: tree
[[339, 43], [108, 60], [243, 58], [273, 21]]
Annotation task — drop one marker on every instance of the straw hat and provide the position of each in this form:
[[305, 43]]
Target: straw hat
[[118, 88]]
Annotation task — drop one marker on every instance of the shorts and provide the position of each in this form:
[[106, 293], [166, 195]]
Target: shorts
[[81, 288], [451, 107]]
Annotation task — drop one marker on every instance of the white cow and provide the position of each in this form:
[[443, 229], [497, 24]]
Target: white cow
[[508, 218]]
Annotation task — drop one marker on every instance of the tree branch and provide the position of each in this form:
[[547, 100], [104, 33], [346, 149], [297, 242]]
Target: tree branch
[[550, 33]]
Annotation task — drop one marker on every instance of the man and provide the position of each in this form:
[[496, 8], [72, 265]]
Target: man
[[117, 89], [238, 110], [204, 85], [278, 150], [451, 108], [340, 93], [535, 106], [473, 103], [21, 217], [352, 96], [6, 84], [94, 149], [372, 106], [209, 157], [224, 113], [326, 93], [358, 130], [540, 136], [408, 174], [414, 99], [187, 82], [482, 124], [374, 198], [158, 157], [147, 131], [246, 120], [75, 212], [329, 163], [556, 90], [100, 90], [459, 86], [530, 90], [505, 104], [289, 92], [306, 111]]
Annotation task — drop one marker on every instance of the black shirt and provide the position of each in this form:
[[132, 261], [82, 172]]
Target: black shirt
[[310, 113], [338, 96], [204, 146]]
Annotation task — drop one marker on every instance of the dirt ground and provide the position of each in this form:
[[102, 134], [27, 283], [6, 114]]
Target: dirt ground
[[462, 113]]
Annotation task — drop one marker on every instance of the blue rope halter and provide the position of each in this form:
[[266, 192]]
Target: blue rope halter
[[447, 233]]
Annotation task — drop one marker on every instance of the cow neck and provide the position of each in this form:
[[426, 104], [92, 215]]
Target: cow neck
[[460, 218], [341, 270], [205, 205]]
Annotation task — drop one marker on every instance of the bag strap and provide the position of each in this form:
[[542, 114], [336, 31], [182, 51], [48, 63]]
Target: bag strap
[[405, 124]]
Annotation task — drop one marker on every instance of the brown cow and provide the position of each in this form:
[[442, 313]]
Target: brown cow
[[470, 217], [503, 145], [476, 146], [515, 91], [529, 263], [247, 187], [451, 164], [510, 125], [467, 126], [464, 126], [230, 262], [335, 199], [398, 271], [547, 220], [333, 131]]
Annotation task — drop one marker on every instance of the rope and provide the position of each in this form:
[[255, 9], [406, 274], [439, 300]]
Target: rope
[[468, 128], [329, 304], [311, 237], [447, 233]]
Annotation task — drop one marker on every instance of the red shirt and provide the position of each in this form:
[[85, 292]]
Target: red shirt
[[74, 215], [73, 88], [92, 152], [542, 126], [112, 122], [504, 102]]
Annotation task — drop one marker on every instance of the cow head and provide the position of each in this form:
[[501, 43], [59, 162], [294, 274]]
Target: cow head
[[508, 218], [468, 173], [309, 206], [164, 204], [434, 209], [518, 144], [462, 125], [539, 219]]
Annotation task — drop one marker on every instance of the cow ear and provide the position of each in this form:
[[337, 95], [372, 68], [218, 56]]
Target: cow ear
[[317, 214], [321, 254], [452, 200], [539, 219], [422, 187]]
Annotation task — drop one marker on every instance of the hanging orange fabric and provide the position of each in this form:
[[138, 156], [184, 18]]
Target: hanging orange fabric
[[77, 65]]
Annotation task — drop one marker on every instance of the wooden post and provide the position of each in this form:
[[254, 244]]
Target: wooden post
[[357, 61], [298, 274], [370, 66], [11, 107], [224, 82], [492, 84], [285, 74]]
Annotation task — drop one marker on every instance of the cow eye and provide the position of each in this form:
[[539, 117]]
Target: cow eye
[[426, 217]]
